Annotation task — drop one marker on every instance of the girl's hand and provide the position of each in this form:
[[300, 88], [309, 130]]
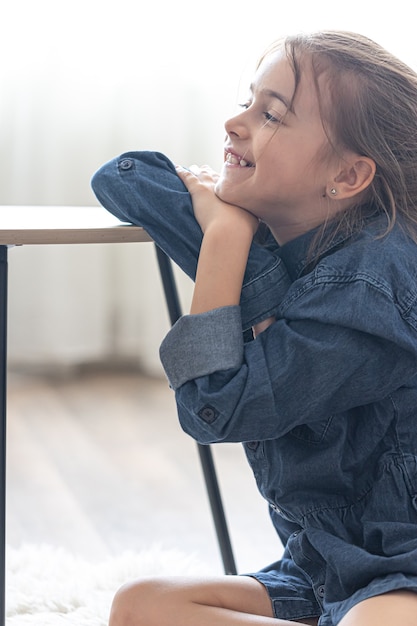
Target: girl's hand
[[228, 233], [208, 207], [259, 328]]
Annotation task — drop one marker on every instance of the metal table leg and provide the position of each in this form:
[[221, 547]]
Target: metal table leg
[[3, 381], [206, 457]]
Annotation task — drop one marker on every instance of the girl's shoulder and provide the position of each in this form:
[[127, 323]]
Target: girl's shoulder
[[367, 270], [375, 252]]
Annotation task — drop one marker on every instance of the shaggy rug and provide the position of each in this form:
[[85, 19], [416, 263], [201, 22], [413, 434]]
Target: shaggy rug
[[47, 586]]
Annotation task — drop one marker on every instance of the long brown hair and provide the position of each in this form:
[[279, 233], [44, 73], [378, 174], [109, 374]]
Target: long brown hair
[[372, 111]]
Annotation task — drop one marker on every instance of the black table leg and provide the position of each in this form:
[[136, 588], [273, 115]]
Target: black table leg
[[206, 457], [3, 382]]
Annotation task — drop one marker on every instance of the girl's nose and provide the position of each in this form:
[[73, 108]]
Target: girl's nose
[[237, 126]]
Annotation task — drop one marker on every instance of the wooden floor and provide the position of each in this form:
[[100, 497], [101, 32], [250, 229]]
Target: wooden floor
[[98, 464]]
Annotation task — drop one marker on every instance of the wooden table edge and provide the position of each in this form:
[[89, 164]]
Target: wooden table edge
[[109, 234]]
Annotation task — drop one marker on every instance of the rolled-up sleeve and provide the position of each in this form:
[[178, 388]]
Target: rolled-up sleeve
[[198, 345], [144, 188], [321, 358]]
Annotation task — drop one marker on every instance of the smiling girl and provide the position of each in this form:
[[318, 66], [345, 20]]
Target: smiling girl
[[308, 238]]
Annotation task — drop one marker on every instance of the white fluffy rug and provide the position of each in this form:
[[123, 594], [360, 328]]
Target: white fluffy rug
[[49, 587]]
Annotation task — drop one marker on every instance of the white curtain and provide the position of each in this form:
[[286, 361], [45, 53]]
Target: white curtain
[[85, 80]]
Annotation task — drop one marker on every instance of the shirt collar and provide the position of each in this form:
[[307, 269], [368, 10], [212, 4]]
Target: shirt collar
[[298, 254]]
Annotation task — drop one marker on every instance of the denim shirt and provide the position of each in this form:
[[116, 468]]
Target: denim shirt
[[325, 403], [331, 376], [324, 400]]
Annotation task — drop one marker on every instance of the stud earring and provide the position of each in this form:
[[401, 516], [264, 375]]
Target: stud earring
[[333, 191]]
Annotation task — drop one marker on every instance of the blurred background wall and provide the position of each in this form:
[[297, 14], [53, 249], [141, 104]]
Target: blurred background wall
[[86, 80]]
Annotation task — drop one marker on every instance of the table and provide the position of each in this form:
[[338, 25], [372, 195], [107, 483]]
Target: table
[[46, 225]]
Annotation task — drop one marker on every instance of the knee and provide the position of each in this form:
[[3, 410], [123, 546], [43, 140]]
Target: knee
[[136, 604]]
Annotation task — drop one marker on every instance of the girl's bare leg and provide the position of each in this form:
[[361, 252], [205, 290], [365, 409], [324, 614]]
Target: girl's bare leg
[[397, 608], [226, 601]]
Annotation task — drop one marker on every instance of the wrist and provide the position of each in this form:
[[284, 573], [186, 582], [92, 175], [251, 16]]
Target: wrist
[[221, 265], [226, 228]]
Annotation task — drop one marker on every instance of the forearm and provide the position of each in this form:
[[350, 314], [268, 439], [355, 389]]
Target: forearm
[[221, 265]]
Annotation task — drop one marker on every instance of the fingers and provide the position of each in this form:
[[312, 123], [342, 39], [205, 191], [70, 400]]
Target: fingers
[[194, 169], [189, 178], [183, 171], [259, 328], [205, 172]]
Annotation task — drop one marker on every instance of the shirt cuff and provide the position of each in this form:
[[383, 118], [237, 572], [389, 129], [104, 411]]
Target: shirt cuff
[[198, 345]]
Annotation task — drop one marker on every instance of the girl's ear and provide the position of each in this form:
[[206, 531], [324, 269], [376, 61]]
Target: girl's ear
[[354, 177]]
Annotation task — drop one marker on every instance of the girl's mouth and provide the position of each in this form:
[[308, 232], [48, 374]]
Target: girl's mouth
[[235, 159]]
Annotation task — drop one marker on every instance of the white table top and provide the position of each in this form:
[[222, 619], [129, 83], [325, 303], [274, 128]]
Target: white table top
[[36, 225]]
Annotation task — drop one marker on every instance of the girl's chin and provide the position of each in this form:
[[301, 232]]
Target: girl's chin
[[218, 188], [225, 192]]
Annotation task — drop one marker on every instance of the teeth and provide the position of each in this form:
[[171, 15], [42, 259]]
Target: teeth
[[234, 160]]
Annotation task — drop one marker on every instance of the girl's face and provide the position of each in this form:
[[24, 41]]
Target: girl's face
[[270, 165]]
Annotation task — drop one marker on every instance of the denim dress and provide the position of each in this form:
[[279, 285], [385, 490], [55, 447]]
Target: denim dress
[[324, 401]]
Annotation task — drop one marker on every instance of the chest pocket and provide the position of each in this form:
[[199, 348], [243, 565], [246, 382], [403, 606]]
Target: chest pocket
[[314, 434]]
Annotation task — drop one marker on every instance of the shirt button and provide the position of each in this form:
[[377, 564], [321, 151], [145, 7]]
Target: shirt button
[[208, 414], [126, 164], [320, 591]]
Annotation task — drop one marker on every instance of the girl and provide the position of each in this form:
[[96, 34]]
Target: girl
[[308, 235]]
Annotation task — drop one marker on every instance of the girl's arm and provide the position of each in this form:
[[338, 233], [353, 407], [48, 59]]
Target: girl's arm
[[228, 232], [143, 188], [222, 261]]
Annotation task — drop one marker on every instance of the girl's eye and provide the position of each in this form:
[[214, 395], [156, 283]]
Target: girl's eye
[[271, 118]]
